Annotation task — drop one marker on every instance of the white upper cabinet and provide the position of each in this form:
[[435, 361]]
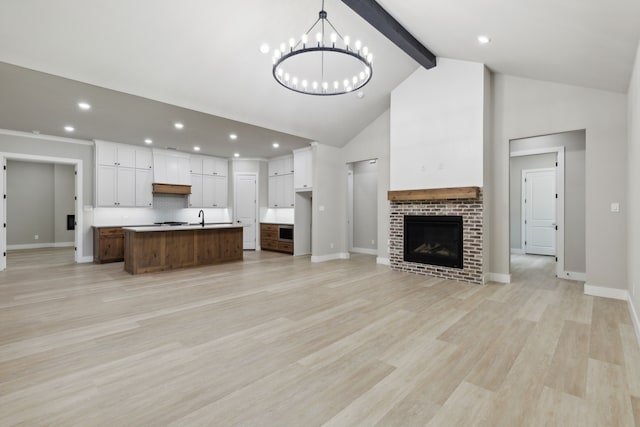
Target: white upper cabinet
[[281, 193], [170, 167], [195, 198], [281, 166], [215, 166], [196, 164], [112, 154], [143, 158], [118, 182], [144, 188], [302, 165]]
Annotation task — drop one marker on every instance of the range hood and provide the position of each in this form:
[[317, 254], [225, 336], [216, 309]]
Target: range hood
[[171, 189]]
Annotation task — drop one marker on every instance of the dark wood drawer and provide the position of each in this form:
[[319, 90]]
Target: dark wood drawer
[[269, 244], [111, 232], [269, 235], [285, 247]]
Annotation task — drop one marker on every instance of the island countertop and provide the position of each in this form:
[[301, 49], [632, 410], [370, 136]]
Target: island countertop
[[181, 227]]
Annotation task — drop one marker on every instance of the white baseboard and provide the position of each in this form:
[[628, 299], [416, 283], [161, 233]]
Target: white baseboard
[[517, 251], [85, 259], [383, 261], [496, 277], [329, 257], [600, 291], [634, 319], [64, 245], [574, 275], [365, 251], [39, 246]]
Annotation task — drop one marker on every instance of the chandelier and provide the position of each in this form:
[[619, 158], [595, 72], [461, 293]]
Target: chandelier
[[329, 65]]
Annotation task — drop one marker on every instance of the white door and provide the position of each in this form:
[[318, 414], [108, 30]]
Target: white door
[[3, 214], [540, 211], [245, 189]]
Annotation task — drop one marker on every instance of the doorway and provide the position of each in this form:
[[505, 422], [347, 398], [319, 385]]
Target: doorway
[[547, 203], [362, 207], [64, 225], [245, 209]]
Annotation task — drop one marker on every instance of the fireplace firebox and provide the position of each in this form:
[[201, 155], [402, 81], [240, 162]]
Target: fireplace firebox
[[435, 240]]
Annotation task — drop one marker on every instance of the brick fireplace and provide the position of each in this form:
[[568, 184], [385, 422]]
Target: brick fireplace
[[464, 203]]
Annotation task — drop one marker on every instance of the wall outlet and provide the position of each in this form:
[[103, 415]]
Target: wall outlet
[[615, 207], [331, 245], [373, 242], [36, 237]]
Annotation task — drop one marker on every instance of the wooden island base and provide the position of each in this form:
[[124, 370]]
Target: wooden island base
[[150, 251]]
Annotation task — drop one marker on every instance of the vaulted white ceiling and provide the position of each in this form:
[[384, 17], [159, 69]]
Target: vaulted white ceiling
[[204, 55]]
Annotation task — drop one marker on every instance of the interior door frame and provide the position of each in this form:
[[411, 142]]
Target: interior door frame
[[523, 204], [79, 226], [560, 270], [255, 175]]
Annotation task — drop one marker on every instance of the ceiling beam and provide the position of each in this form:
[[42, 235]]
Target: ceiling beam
[[380, 19]]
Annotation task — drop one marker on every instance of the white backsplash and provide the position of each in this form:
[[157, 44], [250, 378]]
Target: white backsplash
[[277, 216]]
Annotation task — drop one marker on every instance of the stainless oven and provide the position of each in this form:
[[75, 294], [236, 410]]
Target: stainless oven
[[285, 233]]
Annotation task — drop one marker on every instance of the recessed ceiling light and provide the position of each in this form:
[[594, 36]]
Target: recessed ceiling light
[[236, 154], [196, 148], [483, 39], [148, 141], [264, 48], [69, 128], [233, 136], [276, 145], [84, 105], [178, 125]]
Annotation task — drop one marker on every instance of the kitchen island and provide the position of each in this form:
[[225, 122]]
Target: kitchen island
[[151, 249]]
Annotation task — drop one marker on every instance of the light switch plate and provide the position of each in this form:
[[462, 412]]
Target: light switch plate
[[615, 207]]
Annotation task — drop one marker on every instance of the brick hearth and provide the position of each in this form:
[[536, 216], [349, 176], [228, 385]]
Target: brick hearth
[[471, 212]]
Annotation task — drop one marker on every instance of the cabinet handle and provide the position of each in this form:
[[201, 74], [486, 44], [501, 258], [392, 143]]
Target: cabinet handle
[[305, 185]]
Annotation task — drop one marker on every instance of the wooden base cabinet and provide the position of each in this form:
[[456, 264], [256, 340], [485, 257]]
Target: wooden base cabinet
[[147, 252], [269, 239], [108, 244]]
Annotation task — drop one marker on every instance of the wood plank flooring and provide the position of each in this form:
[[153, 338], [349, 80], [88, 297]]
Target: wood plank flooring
[[278, 341]]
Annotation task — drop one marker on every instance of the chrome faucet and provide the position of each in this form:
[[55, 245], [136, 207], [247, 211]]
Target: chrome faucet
[[201, 213]]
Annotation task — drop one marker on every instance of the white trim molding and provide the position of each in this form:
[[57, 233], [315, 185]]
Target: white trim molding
[[84, 259], [601, 291], [39, 246], [573, 275], [383, 261], [330, 257], [497, 277], [365, 251], [43, 136], [634, 318]]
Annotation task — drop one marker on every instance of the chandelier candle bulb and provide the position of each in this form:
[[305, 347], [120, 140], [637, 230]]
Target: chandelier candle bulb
[[358, 44]]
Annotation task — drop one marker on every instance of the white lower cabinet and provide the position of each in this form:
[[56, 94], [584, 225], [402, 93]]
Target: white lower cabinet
[[116, 186]]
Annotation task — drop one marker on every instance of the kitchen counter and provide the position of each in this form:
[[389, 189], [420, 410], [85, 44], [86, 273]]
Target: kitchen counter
[[152, 249], [146, 228]]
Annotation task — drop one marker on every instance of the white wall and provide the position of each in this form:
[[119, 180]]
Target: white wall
[[328, 234], [524, 108], [30, 203], [373, 143], [633, 160], [437, 127]]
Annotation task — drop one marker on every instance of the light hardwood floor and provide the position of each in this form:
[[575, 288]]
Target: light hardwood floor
[[278, 341]]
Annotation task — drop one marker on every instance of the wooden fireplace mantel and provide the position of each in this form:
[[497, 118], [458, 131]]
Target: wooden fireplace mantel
[[434, 194]]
